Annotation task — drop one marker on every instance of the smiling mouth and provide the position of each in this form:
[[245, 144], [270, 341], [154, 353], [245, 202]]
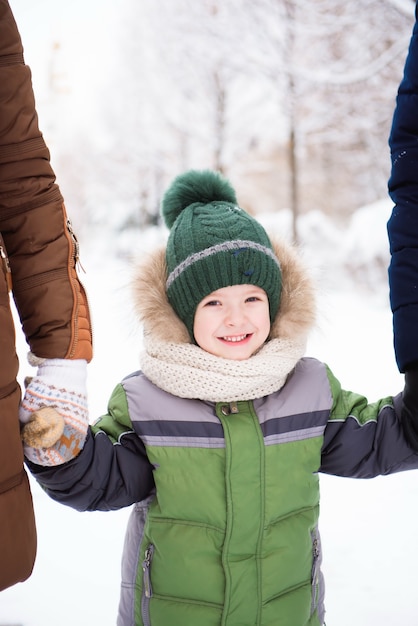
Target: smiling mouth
[[236, 338]]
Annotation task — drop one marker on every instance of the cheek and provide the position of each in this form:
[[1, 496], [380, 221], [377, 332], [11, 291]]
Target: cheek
[[265, 324], [266, 327], [201, 327]]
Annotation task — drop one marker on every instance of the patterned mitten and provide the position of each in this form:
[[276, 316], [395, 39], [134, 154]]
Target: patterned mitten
[[53, 413]]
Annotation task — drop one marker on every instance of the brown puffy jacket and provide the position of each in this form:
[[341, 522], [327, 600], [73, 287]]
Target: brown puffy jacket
[[38, 258]]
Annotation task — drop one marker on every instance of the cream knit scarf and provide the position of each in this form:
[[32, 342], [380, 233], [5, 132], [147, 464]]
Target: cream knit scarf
[[187, 371]]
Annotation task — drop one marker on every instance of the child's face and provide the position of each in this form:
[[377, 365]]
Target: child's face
[[233, 322]]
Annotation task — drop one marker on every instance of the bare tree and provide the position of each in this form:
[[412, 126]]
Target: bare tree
[[291, 99]]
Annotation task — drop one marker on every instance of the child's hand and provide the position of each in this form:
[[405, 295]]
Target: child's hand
[[53, 412]]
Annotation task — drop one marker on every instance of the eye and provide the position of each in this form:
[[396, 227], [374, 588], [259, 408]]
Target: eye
[[253, 299], [212, 303]]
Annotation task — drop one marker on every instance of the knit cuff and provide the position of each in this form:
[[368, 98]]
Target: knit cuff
[[64, 373]]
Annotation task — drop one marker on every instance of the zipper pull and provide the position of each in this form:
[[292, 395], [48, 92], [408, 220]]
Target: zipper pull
[[229, 409], [7, 268], [146, 565], [76, 244], [315, 555]]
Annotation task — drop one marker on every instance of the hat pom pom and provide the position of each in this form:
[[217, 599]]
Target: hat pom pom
[[204, 186]]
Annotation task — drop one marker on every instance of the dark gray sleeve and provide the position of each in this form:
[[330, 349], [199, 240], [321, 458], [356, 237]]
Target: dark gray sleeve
[[363, 440], [105, 476]]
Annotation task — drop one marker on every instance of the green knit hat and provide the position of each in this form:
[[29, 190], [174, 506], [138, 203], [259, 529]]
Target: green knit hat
[[213, 244]]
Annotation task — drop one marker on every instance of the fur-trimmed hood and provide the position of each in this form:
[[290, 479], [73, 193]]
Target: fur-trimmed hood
[[295, 318]]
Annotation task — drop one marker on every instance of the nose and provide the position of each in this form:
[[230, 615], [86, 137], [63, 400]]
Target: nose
[[234, 315]]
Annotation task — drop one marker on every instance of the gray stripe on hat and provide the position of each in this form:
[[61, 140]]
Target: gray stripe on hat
[[237, 244]]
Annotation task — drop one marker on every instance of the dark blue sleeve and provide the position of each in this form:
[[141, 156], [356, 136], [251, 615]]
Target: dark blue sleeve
[[105, 476], [403, 223]]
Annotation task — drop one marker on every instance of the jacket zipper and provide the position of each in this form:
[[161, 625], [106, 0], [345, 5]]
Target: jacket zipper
[[146, 585], [315, 572], [6, 266], [75, 244], [74, 257], [77, 263]]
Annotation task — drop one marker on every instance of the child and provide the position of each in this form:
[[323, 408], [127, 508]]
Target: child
[[219, 440]]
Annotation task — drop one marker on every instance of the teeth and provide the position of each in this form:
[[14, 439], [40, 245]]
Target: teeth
[[234, 339]]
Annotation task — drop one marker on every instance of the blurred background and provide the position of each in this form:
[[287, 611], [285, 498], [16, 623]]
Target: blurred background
[[292, 100]]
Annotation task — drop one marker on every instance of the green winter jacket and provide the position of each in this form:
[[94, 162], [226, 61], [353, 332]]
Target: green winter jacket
[[231, 535]]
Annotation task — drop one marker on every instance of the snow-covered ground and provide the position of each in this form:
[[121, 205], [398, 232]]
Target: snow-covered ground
[[369, 528]]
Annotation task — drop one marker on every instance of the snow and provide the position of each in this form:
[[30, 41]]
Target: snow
[[368, 527]]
